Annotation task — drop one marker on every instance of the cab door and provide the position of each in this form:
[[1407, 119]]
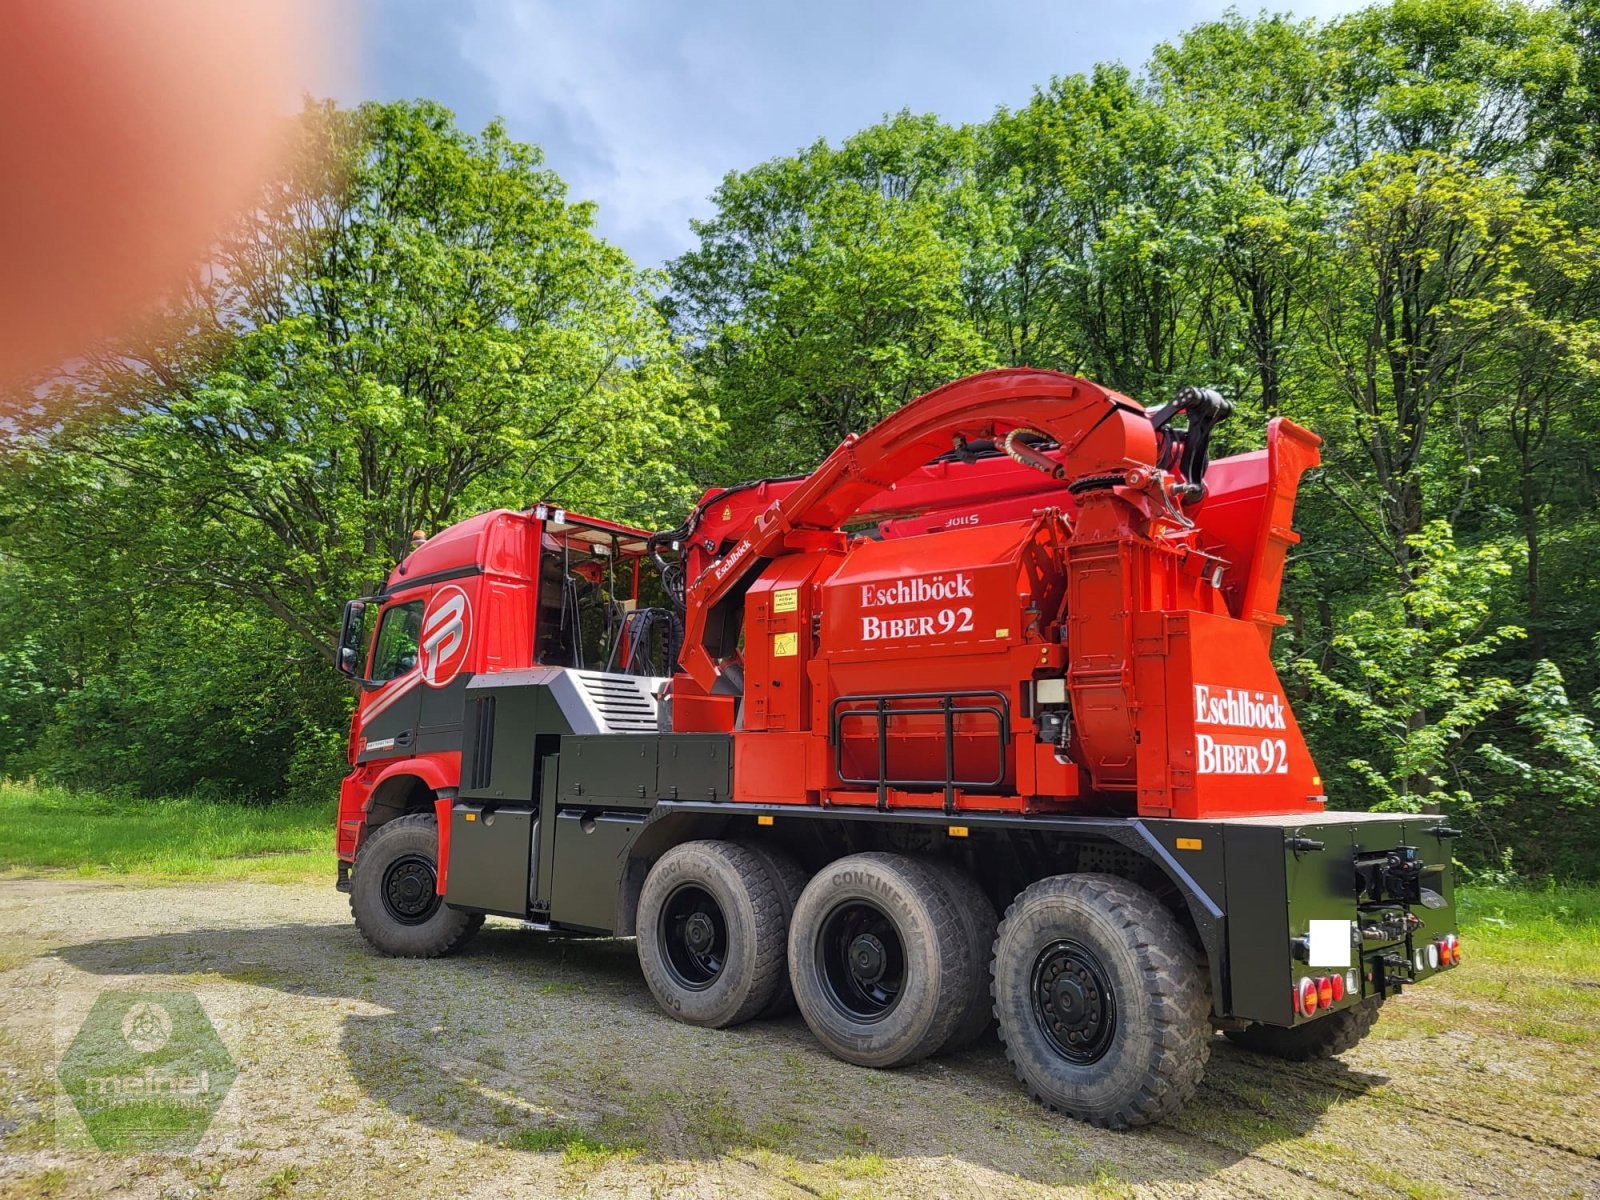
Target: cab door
[[446, 657], [392, 688]]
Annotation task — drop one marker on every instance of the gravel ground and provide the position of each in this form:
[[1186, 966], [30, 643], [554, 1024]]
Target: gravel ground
[[538, 1065]]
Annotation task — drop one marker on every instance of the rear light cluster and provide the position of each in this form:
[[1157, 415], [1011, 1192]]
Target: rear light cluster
[[1313, 995], [1323, 992], [1445, 952]]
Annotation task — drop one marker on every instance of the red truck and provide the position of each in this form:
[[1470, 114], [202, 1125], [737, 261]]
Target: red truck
[[974, 726]]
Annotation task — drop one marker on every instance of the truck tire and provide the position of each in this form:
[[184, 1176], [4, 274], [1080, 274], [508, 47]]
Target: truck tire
[[978, 922], [1102, 1002], [789, 877], [711, 933], [1321, 1038], [879, 959], [393, 893]]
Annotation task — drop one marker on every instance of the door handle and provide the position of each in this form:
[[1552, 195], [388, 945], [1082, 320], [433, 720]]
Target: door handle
[[403, 738]]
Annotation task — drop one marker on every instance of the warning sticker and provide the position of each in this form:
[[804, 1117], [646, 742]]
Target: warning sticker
[[785, 600], [785, 645]]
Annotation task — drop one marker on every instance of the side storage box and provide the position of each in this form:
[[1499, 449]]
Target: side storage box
[[491, 859], [589, 853], [695, 766], [609, 770]]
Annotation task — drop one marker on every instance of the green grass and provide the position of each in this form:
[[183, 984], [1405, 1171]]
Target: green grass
[[1535, 957], [577, 1145], [52, 829], [1554, 914], [1555, 927]]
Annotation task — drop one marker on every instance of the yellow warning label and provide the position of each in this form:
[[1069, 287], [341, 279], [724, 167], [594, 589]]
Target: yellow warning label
[[785, 645], [786, 600]]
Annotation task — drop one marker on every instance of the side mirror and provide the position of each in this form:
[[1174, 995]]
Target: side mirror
[[349, 659]]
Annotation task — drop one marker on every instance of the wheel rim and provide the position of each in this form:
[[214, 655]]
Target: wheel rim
[[861, 961], [410, 890], [693, 936], [1073, 1002]]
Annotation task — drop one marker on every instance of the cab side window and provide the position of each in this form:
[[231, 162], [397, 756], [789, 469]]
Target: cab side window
[[398, 635]]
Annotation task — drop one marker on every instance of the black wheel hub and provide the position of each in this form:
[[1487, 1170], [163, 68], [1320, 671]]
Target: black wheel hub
[[867, 958], [860, 960], [410, 890], [693, 936], [1073, 1002]]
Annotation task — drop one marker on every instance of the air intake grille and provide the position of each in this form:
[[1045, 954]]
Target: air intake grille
[[624, 702], [482, 742]]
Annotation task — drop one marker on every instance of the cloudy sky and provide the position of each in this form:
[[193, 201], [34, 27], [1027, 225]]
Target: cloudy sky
[[643, 105]]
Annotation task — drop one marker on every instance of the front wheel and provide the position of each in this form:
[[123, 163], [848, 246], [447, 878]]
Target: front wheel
[[1102, 1003], [394, 893]]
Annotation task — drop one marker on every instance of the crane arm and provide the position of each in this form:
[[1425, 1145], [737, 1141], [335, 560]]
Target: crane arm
[[1101, 434]]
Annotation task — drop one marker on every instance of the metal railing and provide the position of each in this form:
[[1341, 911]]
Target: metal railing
[[949, 705]]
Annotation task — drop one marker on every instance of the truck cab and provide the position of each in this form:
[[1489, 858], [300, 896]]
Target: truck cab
[[501, 591]]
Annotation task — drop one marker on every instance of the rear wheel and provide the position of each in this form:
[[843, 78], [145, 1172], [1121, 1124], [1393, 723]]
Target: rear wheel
[[711, 933], [879, 959], [394, 892], [1102, 1004], [789, 877], [1321, 1038], [978, 922]]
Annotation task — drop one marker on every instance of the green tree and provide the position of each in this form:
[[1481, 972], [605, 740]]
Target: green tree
[[1405, 672], [414, 324], [410, 325], [826, 293], [1255, 95], [1421, 288]]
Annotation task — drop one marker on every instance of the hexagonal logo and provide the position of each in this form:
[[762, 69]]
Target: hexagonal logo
[[147, 1071]]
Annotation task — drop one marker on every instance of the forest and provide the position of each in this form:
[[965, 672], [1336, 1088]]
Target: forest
[[1382, 226]]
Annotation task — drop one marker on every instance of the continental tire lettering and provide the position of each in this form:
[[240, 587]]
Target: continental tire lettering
[[881, 890]]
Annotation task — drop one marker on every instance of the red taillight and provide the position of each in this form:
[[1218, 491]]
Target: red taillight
[[1452, 949], [1308, 996], [1325, 992], [1338, 987]]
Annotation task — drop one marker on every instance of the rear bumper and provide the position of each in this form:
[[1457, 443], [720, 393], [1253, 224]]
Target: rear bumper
[[1366, 897]]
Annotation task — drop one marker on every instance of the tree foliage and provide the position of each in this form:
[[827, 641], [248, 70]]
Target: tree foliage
[[412, 325], [1382, 227]]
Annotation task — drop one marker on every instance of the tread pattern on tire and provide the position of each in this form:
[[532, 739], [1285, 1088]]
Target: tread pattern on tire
[[770, 928], [945, 930], [1174, 981], [1322, 1038], [452, 935], [790, 879], [979, 919]]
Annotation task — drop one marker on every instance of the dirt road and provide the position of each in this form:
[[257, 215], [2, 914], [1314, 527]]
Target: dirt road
[[537, 1065]]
